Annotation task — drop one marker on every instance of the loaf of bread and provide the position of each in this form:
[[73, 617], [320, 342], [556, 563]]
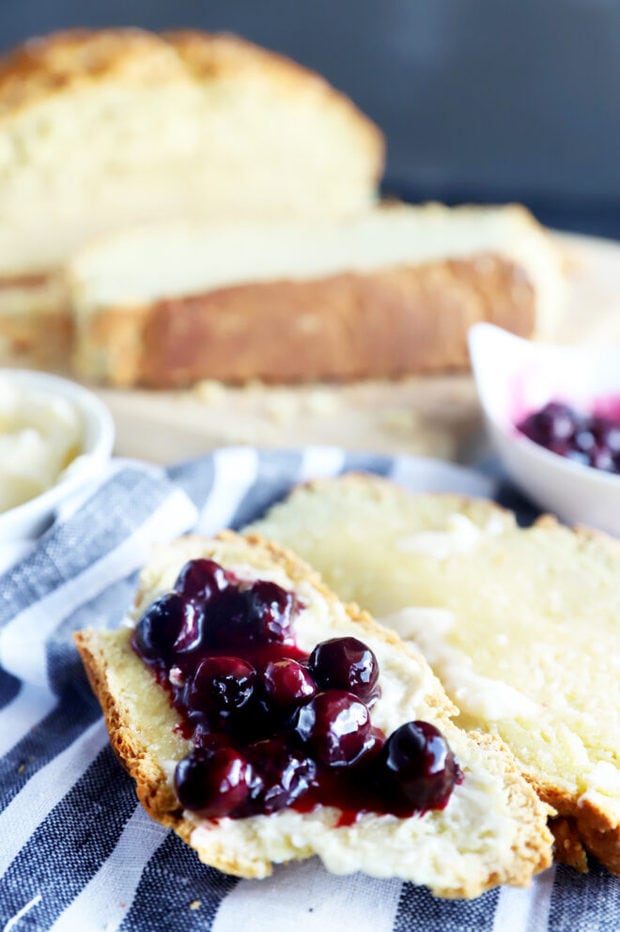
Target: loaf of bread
[[492, 830], [387, 293], [520, 625], [103, 129]]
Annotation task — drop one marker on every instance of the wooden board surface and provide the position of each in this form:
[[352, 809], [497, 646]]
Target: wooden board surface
[[428, 416]]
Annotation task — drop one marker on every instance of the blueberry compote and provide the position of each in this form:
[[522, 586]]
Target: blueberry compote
[[270, 726], [589, 439]]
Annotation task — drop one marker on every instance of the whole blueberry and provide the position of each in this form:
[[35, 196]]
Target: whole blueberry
[[269, 613], [201, 579], [419, 765], [345, 663], [221, 685], [284, 773], [213, 783], [335, 726], [171, 625], [287, 682]]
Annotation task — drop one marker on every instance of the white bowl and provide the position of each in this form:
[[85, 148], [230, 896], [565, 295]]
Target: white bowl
[[515, 377], [31, 518]]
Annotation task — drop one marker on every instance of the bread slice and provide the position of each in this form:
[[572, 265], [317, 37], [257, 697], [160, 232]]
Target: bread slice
[[36, 323], [390, 292], [521, 626], [492, 831], [103, 129]]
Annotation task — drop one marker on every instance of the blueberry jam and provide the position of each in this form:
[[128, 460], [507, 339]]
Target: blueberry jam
[[589, 439], [271, 726]]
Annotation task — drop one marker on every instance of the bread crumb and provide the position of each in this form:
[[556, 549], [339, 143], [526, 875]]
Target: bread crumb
[[195, 904], [401, 419], [323, 401], [209, 390], [282, 408]]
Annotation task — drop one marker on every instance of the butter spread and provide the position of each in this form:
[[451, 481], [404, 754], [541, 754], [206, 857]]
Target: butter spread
[[40, 435], [603, 787], [476, 695], [460, 536]]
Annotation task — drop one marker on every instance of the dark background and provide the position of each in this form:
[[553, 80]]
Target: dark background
[[486, 100]]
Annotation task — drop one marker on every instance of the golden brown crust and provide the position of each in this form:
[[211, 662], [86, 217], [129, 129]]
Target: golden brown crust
[[574, 835], [151, 786], [36, 326], [29, 280], [21, 344], [531, 846], [567, 845], [603, 843], [68, 60], [348, 326], [219, 55], [581, 826], [519, 803], [63, 61], [380, 488]]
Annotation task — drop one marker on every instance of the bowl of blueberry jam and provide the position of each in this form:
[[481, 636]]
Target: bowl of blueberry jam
[[553, 416], [270, 726]]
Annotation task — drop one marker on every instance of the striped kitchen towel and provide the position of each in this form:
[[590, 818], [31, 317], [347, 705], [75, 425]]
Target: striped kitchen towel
[[76, 851]]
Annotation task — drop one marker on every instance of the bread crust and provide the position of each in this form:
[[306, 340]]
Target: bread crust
[[582, 826], [531, 846], [567, 845], [406, 320], [66, 61], [32, 306]]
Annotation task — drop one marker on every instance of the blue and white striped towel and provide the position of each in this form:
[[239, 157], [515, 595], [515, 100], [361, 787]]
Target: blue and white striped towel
[[76, 851]]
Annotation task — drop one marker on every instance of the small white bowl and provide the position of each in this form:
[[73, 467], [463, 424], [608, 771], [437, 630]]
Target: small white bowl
[[515, 377], [32, 517]]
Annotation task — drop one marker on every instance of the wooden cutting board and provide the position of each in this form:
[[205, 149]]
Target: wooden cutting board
[[427, 416]]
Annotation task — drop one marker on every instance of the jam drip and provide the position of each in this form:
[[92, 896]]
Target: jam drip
[[271, 726]]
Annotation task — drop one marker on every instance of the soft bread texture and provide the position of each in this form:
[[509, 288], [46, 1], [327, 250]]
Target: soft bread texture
[[492, 830], [390, 292], [521, 626], [104, 129]]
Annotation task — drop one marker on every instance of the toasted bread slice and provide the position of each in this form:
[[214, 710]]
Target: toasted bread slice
[[492, 831], [521, 625]]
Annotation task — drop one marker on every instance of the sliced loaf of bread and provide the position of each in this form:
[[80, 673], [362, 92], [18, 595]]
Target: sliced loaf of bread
[[492, 830], [390, 292], [520, 625], [103, 129]]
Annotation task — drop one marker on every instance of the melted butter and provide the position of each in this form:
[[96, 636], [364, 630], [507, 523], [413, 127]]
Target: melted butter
[[475, 695], [460, 536]]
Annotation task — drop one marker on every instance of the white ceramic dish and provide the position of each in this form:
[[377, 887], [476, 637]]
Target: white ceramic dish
[[31, 518], [515, 377]]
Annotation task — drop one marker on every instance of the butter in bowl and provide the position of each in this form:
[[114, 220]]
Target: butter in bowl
[[54, 437]]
